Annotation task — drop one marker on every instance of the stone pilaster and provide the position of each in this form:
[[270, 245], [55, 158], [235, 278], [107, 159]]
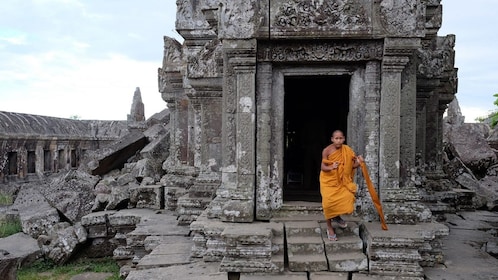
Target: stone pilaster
[[371, 132], [206, 102], [239, 135], [179, 175], [408, 119], [266, 192]]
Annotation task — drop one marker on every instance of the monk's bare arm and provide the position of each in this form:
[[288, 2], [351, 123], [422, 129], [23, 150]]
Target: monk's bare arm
[[326, 167]]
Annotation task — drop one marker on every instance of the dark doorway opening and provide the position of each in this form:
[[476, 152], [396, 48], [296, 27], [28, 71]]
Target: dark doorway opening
[[314, 106]]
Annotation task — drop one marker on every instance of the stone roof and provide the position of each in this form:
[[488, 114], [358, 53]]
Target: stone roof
[[15, 125]]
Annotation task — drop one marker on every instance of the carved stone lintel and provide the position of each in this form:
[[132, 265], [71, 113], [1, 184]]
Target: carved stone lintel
[[351, 50]]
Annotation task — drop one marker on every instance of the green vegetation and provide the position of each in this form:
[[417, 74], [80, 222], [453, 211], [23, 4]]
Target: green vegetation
[[9, 227], [47, 270], [491, 117], [5, 199]]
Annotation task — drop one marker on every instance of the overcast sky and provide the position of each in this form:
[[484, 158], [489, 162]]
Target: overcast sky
[[85, 58]]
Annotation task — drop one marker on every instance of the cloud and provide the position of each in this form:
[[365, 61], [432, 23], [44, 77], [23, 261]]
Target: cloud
[[89, 88], [65, 57]]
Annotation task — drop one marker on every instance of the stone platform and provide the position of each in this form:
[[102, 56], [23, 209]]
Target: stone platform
[[171, 258]]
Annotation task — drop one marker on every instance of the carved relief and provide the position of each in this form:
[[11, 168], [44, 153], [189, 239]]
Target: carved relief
[[433, 63], [189, 15], [402, 17], [337, 14], [238, 19], [326, 51], [207, 63]]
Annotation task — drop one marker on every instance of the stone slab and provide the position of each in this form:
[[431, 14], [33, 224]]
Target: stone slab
[[22, 246], [196, 270], [167, 255], [155, 261], [92, 276], [316, 262], [329, 276], [270, 276], [358, 276], [151, 242], [172, 249], [463, 260]]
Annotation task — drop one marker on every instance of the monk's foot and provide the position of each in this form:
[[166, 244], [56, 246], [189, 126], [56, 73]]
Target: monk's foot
[[331, 237], [340, 222]]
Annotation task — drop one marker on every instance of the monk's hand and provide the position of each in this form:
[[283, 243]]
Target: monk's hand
[[359, 159], [335, 165]]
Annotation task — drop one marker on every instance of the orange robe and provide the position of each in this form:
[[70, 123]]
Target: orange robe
[[336, 186]]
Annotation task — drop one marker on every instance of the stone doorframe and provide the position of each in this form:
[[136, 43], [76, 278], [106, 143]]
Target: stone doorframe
[[360, 60]]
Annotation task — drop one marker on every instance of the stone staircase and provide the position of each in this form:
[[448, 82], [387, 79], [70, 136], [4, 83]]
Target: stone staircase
[[345, 254], [308, 248]]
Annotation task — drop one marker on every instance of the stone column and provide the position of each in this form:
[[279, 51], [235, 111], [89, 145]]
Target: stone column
[[239, 131]]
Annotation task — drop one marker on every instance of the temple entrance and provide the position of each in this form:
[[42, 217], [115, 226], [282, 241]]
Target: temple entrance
[[314, 106]]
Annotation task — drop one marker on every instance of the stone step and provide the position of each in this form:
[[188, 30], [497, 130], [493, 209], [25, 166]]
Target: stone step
[[307, 262], [305, 245], [351, 229], [347, 261], [348, 243], [303, 228], [165, 255], [293, 209]]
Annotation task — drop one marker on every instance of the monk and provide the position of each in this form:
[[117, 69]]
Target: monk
[[336, 181]]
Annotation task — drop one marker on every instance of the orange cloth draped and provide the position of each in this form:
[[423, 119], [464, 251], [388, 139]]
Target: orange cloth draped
[[336, 186], [373, 194]]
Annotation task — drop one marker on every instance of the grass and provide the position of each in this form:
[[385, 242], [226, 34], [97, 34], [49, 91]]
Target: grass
[[9, 227], [5, 199], [47, 270]]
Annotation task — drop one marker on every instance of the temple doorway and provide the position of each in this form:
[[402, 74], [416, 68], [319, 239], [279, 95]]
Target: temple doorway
[[314, 106]]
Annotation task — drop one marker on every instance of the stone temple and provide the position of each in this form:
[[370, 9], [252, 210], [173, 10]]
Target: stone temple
[[257, 87], [255, 91]]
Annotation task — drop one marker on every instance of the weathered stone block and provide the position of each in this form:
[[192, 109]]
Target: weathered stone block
[[150, 196]]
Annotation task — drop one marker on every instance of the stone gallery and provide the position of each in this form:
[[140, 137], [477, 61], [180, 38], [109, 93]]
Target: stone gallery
[[257, 88]]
